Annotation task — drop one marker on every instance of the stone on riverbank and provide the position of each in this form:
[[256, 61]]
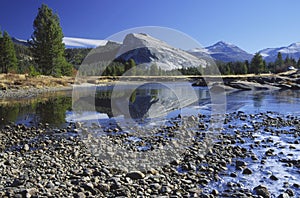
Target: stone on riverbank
[[262, 191]]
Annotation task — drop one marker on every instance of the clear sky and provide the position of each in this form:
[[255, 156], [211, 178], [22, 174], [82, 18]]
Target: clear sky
[[249, 24]]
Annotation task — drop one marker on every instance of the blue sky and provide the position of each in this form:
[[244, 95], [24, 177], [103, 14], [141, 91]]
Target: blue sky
[[250, 24]]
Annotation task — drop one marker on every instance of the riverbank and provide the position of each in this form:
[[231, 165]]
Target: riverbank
[[22, 86], [255, 155]]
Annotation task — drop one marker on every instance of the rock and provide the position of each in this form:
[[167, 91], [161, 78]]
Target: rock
[[31, 192], [79, 195], [26, 147], [290, 192], [135, 175], [233, 174], [240, 164], [273, 177], [88, 187], [50, 185], [254, 157], [284, 195], [215, 192], [16, 183], [155, 186], [296, 185], [247, 171], [262, 191], [103, 187], [219, 88], [246, 85], [166, 189]]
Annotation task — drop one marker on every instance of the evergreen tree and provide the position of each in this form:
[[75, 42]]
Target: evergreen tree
[[278, 63], [132, 67], [243, 68], [257, 64], [8, 59], [47, 47]]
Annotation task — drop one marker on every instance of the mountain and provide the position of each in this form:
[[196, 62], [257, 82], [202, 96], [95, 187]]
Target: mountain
[[270, 54], [147, 50], [20, 41], [223, 51]]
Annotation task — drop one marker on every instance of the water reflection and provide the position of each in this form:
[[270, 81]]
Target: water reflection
[[258, 99], [147, 101], [31, 112]]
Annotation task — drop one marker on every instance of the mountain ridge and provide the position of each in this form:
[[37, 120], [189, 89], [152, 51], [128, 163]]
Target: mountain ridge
[[220, 51]]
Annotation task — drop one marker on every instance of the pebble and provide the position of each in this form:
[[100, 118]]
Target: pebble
[[58, 165], [273, 177], [26, 147], [135, 175], [290, 192], [247, 171], [284, 195]]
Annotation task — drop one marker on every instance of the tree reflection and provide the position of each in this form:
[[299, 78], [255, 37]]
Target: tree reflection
[[53, 111]]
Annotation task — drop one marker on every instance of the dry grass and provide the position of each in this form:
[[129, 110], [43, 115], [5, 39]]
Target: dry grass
[[17, 81]]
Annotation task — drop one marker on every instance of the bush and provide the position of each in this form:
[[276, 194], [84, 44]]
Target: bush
[[32, 71]]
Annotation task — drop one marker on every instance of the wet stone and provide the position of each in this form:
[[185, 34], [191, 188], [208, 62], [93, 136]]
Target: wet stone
[[240, 164], [247, 171], [283, 195], [233, 174], [262, 191], [273, 177], [290, 192]]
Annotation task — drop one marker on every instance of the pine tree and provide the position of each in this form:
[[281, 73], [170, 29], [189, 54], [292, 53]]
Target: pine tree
[[47, 47], [278, 62], [257, 64], [8, 58]]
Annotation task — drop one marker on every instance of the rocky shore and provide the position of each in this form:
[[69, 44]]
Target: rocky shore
[[286, 80], [46, 162]]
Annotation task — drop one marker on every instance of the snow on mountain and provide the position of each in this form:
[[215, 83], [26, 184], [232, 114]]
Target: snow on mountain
[[228, 52], [83, 42], [293, 51], [145, 49], [20, 41], [71, 42], [222, 51]]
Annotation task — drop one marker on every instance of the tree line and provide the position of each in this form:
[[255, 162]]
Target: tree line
[[257, 65]]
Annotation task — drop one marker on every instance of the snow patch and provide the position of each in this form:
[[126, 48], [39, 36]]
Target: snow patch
[[83, 42]]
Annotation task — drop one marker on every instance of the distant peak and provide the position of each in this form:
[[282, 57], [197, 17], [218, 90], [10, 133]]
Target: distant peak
[[297, 44], [224, 43]]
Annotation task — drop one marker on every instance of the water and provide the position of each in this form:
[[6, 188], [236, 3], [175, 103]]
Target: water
[[173, 99], [47, 108]]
